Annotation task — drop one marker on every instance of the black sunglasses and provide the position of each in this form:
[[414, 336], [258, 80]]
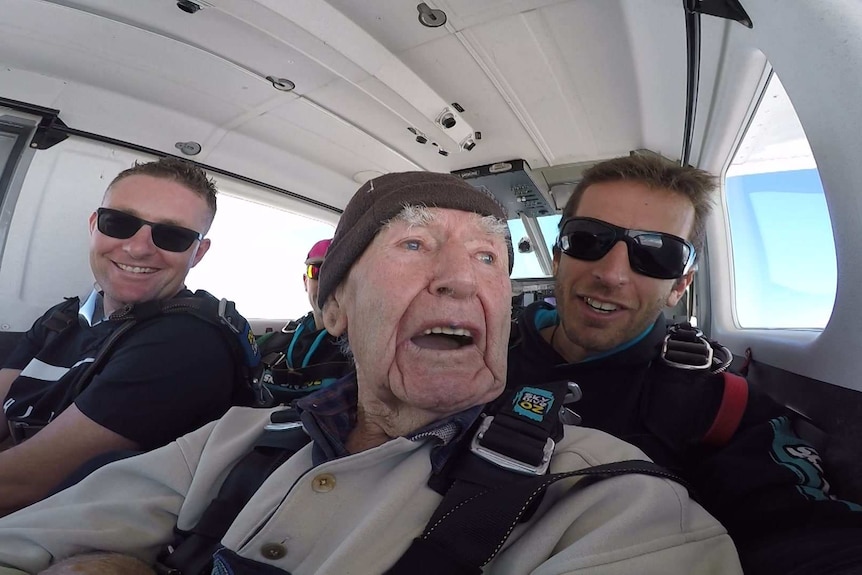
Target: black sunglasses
[[654, 254], [122, 226]]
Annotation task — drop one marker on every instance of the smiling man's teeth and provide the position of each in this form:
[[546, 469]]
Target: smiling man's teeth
[[448, 331], [135, 269], [600, 305]]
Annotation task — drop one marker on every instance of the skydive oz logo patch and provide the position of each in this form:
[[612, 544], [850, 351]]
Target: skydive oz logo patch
[[533, 403]]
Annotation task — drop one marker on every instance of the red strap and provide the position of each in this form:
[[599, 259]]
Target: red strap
[[733, 403]]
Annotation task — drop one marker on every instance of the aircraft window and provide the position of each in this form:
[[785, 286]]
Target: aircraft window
[[13, 145], [785, 269], [257, 258], [526, 264]]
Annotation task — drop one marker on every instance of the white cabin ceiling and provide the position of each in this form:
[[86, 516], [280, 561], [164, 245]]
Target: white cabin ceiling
[[552, 82]]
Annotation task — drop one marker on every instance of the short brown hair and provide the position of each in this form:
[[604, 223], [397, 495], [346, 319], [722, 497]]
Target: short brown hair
[[655, 172], [180, 171]]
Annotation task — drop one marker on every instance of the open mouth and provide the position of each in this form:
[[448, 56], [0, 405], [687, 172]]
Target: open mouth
[[443, 338]]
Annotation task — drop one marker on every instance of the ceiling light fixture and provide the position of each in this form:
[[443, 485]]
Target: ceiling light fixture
[[281, 84], [430, 17], [190, 148]]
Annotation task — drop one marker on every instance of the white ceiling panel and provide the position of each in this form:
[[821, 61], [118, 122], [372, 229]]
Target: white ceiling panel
[[90, 49], [247, 156], [549, 81]]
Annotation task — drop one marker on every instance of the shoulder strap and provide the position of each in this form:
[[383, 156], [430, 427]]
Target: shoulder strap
[[202, 305], [61, 318], [192, 551], [734, 400], [499, 481], [469, 535], [223, 314], [273, 345]]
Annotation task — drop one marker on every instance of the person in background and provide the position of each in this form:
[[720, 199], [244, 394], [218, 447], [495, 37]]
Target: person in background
[[303, 357], [311, 279]]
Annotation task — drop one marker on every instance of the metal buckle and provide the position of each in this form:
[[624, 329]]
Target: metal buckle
[[226, 315], [505, 461], [698, 335], [21, 430], [282, 426]]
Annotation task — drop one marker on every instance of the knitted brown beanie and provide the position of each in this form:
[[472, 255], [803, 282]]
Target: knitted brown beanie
[[381, 199]]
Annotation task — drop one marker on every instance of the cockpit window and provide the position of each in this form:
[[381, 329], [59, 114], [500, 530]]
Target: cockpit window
[[526, 263]]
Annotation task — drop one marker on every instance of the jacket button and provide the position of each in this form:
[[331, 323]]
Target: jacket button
[[273, 550], [323, 483]]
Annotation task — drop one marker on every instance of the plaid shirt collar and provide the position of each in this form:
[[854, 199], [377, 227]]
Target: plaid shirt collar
[[329, 415]]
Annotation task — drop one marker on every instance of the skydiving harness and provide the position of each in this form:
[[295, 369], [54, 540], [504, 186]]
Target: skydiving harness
[[685, 347], [293, 363], [203, 305], [495, 481]]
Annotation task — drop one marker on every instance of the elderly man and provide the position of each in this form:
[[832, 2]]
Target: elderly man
[[417, 280]]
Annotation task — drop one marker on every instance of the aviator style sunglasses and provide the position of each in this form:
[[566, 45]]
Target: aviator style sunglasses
[[312, 271], [654, 254], [122, 226]]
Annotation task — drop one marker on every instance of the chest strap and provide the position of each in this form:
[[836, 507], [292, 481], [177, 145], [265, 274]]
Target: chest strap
[[472, 532], [192, 551], [499, 481]]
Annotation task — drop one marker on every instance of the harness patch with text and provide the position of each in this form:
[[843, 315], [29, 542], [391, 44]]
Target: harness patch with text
[[533, 403]]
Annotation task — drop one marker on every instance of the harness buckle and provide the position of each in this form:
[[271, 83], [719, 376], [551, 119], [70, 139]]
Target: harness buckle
[[22, 430], [685, 347], [506, 462], [282, 426], [227, 315]]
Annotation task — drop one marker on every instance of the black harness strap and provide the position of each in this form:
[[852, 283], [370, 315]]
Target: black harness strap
[[203, 305], [496, 481], [499, 482], [192, 551], [60, 319], [473, 531]]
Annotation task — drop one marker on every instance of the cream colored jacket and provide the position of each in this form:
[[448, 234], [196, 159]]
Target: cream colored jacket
[[357, 515]]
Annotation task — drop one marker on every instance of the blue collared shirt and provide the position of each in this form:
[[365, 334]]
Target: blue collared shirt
[[92, 310]]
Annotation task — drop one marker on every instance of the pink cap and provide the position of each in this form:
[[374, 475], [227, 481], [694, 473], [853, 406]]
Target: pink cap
[[317, 252]]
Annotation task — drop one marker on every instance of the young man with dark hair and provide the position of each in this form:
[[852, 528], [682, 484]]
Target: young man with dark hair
[[626, 251]]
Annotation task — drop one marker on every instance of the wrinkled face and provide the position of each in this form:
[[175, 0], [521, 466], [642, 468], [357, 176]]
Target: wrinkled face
[[134, 270], [427, 309], [603, 304]]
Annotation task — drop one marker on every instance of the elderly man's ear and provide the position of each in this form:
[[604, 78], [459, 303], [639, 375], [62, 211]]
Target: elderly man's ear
[[334, 317]]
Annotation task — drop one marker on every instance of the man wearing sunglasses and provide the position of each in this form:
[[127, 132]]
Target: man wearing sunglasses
[[311, 279], [303, 357], [628, 240], [165, 377]]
